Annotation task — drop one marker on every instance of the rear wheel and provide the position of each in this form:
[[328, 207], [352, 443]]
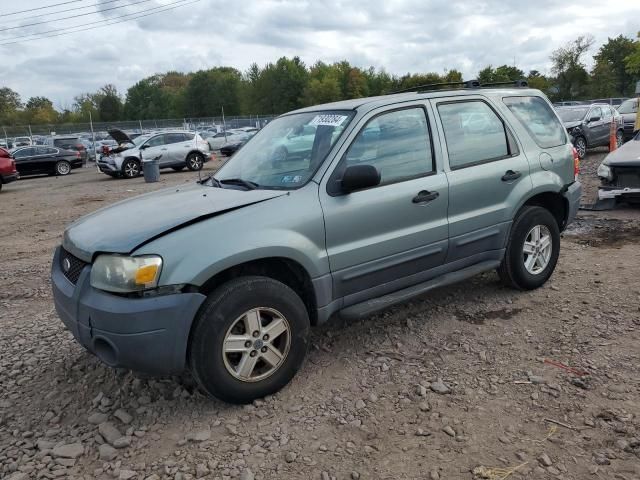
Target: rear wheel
[[62, 167], [619, 138], [532, 251], [130, 168], [195, 161], [581, 147], [249, 339]]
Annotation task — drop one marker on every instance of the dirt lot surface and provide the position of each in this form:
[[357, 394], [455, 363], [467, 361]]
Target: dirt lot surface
[[472, 381]]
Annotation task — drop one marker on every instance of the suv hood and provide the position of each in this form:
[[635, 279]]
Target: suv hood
[[628, 155], [119, 136], [126, 225]]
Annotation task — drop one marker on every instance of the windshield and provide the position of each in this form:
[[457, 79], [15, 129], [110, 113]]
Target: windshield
[[287, 152], [572, 114], [140, 140], [628, 106]]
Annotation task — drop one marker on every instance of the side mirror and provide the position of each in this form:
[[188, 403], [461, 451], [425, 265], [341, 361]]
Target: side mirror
[[594, 119], [357, 177], [143, 147]]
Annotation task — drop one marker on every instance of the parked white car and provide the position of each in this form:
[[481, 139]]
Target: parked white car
[[217, 140], [177, 149]]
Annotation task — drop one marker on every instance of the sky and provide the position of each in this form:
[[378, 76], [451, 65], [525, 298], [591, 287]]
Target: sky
[[400, 36]]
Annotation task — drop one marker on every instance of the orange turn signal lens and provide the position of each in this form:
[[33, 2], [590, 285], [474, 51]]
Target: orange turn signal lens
[[146, 274]]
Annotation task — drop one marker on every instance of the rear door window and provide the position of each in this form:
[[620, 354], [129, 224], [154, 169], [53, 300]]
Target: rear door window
[[474, 133], [66, 143], [174, 138], [537, 117]]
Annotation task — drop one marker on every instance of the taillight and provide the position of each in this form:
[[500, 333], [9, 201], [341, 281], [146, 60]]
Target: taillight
[[576, 164]]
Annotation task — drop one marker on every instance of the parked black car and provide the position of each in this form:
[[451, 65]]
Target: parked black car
[[229, 149], [629, 110], [590, 125], [43, 159]]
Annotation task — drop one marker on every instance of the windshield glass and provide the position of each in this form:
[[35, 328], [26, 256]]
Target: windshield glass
[[629, 106], [572, 114], [140, 140], [287, 152]]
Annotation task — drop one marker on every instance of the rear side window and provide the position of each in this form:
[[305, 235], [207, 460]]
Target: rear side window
[[397, 143], [537, 117], [66, 143], [474, 133], [174, 138]]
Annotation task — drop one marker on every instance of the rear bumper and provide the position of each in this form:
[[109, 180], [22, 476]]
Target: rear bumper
[[573, 195], [12, 177], [143, 334]]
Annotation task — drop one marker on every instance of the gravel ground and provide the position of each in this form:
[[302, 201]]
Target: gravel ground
[[468, 382]]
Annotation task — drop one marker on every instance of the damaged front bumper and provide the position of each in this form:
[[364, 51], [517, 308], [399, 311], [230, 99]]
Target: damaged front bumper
[[605, 193]]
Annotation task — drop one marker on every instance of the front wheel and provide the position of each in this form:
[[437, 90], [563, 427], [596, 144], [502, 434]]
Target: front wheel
[[62, 167], [249, 339], [131, 168], [532, 251], [195, 161], [581, 147], [619, 138]]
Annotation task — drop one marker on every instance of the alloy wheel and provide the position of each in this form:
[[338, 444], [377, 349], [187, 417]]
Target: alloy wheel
[[537, 249], [63, 168], [131, 169], [256, 344]]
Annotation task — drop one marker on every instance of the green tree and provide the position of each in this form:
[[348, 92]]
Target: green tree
[[572, 78], [110, 105], [632, 61], [610, 77], [539, 81], [208, 91], [10, 104], [40, 110]]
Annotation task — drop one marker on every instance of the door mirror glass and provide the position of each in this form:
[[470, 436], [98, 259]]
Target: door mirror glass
[[358, 177], [594, 119], [144, 147]]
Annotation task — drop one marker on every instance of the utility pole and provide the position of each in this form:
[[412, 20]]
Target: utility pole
[[30, 135], [224, 125], [93, 135], [6, 139]]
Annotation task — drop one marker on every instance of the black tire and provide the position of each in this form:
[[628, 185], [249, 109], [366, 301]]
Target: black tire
[[178, 169], [581, 147], [131, 168], [62, 167], [220, 312], [195, 161], [512, 270], [619, 138]]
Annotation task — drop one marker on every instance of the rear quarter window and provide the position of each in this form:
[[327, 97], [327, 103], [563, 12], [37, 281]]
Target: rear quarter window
[[537, 117]]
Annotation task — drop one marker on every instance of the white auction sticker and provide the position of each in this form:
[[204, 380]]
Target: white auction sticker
[[329, 120]]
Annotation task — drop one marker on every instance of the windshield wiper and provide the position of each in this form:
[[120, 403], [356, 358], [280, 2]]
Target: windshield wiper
[[239, 181], [214, 181]]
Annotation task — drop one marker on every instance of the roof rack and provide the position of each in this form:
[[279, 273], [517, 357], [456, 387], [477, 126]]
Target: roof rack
[[467, 84]]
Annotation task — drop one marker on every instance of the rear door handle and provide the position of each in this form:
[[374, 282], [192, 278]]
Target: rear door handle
[[510, 175], [425, 196]]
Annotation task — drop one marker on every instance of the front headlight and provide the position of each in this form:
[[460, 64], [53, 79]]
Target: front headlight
[[122, 274], [605, 172]]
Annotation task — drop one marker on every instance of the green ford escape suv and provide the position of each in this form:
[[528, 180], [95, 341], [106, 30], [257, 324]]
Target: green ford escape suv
[[388, 198]]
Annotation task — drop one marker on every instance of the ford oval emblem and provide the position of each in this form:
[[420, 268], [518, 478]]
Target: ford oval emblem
[[66, 265]]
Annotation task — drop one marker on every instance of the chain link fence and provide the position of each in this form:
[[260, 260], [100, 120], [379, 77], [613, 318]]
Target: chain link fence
[[85, 129]]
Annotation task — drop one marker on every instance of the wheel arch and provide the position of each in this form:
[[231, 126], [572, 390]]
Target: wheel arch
[[282, 269], [554, 202]]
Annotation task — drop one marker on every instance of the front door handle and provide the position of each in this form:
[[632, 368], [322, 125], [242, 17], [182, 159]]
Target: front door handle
[[510, 175], [425, 196]]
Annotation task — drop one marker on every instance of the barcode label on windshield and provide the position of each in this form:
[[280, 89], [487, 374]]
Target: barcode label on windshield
[[329, 120]]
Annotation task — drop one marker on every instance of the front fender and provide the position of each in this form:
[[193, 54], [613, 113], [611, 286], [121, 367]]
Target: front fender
[[289, 227]]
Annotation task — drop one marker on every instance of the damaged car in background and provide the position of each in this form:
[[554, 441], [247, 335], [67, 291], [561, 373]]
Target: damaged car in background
[[620, 173]]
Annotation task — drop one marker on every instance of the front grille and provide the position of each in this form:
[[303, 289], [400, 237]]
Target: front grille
[[626, 177], [71, 266]]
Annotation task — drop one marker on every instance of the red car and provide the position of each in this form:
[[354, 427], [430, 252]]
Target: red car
[[8, 172]]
